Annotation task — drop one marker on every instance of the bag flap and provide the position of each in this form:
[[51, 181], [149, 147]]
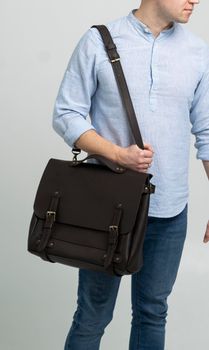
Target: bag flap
[[89, 193]]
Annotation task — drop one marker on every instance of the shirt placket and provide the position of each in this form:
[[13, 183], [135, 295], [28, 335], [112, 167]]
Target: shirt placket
[[154, 65], [153, 75]]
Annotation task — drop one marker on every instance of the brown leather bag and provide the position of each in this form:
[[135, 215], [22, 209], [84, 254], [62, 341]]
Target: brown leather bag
[[89, 215]]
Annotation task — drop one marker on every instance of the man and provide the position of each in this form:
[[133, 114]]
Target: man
[[167, 72]]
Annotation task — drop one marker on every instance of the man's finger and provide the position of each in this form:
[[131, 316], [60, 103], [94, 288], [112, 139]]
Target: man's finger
[[147, 145]]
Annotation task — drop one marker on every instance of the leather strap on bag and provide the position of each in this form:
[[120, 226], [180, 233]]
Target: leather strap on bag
[[48, 225], [113, 236], [114, 57]]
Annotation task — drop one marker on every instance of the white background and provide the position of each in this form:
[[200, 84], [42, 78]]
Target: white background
[[37, 298]]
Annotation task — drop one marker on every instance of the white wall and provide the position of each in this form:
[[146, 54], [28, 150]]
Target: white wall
[[38, 299]]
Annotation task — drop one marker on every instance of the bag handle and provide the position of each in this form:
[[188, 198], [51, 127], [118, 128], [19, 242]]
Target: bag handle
[[111, 165], [122, 85]]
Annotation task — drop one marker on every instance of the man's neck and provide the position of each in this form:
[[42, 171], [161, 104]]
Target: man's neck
[[150, 17]]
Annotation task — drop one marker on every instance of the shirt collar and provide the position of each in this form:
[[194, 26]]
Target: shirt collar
[[145, 30]]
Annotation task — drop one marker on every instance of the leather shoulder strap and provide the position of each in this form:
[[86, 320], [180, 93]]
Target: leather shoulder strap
[[121, 81]]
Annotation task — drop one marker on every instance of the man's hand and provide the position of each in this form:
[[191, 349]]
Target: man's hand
[[206, 237], [135, 158], [131, 157]]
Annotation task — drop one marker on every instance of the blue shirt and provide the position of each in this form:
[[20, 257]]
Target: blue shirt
[[168, 80]]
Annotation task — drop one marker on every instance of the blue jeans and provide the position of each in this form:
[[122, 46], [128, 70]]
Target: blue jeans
[[150, 287]]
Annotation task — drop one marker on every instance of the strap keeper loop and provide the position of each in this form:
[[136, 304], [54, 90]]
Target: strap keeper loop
[[110, 46], [115, 60]]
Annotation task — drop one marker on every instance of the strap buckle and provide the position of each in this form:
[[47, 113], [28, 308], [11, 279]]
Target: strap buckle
[[115, 60], [50, 219], [51, 213]]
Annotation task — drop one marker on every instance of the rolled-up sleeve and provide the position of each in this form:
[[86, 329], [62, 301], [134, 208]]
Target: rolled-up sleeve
[[199, 113], [73, 101]]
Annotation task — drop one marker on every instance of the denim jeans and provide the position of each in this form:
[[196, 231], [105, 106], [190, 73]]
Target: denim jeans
[[150, 287]]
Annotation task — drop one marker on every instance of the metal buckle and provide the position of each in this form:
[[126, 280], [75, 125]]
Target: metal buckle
[[115, 60], [51, 213], [113, 228]]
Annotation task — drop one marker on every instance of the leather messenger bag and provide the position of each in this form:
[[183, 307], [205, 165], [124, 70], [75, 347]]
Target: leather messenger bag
[[93, 215]]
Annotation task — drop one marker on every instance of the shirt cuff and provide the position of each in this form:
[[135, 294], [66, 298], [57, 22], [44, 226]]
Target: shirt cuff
[[203, 153], [76, 127]]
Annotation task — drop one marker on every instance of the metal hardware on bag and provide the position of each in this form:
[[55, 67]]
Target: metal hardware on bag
[[149, 188], [75, 160], [50, 219], [76, 152], [51, 213], [115, 60], [120, 169], [113, 228], [117, 258]]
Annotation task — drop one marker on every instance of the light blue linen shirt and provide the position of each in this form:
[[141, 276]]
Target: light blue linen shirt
[[168, 80]]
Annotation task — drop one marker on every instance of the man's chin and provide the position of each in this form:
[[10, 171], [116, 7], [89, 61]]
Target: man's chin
[[182, 20]]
